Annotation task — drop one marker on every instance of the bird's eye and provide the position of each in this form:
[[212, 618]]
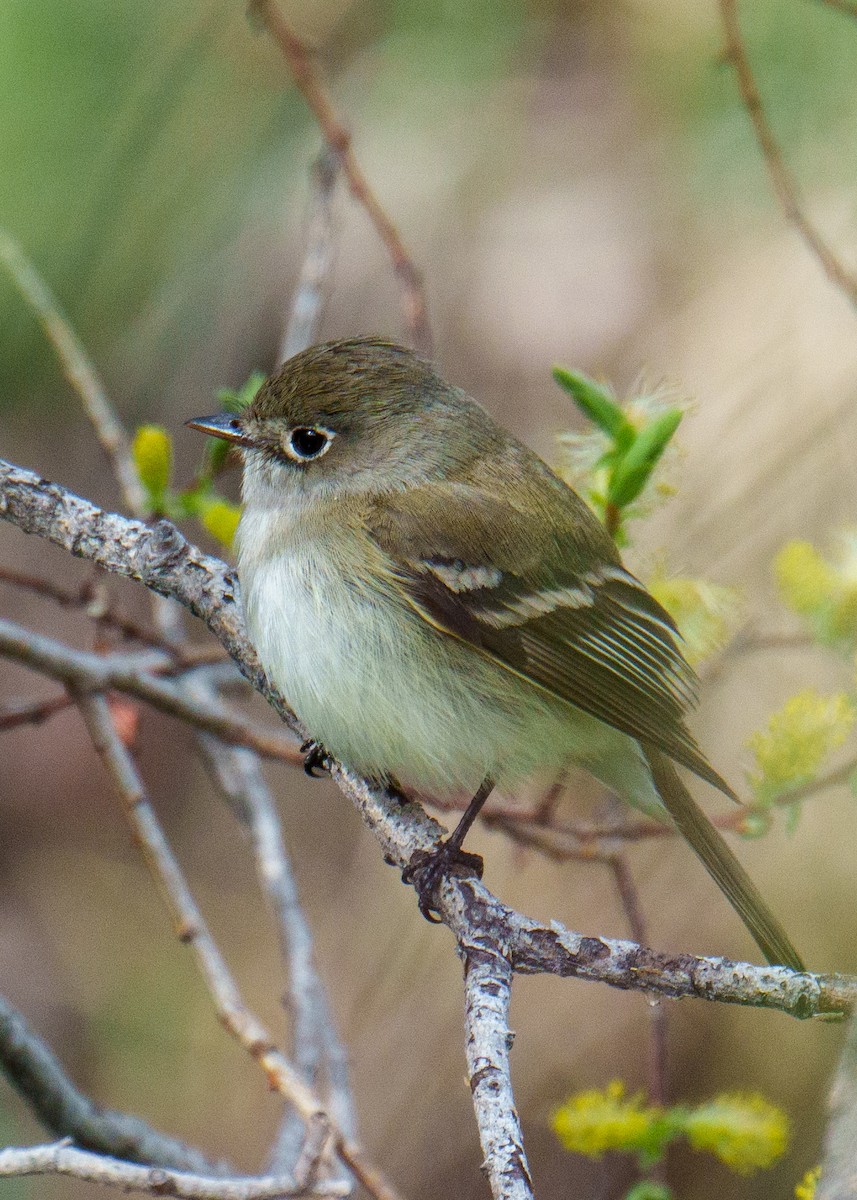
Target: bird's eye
[[306, 443]]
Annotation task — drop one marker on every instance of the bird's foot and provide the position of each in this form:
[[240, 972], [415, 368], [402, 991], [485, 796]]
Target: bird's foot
[[428, 868], [317, 761]]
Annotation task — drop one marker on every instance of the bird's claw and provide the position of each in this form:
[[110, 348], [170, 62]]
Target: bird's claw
[[427, 869], [317, 760]]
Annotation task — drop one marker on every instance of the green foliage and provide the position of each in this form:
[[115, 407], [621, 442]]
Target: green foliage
[[649, 1189], [796, 742], [805, 1190], [822, 591], [618, 461], [152, 450], [744, 1130]]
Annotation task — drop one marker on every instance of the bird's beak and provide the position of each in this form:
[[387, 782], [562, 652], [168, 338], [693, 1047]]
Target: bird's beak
[[223, 425]]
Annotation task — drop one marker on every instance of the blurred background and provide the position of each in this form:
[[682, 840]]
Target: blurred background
[[579, 183]]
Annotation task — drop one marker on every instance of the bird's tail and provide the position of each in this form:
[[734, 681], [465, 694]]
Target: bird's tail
[[721, 864]]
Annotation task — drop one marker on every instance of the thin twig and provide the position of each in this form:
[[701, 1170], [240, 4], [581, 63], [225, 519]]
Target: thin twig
[[34, 1071], [89, 600], [629, 896], [309, 296], [488, 1040], [76, 367], [162, 559], [338, 140], [315, 1042], [32, 712], [781, 179], [62, 1159], [191, 928], [133, 674]]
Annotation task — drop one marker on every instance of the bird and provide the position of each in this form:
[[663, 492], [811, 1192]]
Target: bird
[[445, 615]]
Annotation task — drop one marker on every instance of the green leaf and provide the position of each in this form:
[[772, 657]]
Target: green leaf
[[596, 402], [636, 464], [152, 452], [648, 1189], [233, 400]]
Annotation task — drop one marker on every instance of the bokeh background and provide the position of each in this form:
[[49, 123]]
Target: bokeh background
[[579, 183]]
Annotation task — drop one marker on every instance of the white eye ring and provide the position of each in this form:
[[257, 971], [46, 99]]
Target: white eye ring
[[306, 443]]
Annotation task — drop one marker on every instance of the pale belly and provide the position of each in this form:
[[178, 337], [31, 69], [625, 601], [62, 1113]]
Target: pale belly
[[390, 696]]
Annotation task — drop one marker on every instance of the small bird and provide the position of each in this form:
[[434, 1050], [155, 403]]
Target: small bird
[[444, 614]]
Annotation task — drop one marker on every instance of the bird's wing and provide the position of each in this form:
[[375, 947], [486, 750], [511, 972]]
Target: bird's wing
[[544, 595]]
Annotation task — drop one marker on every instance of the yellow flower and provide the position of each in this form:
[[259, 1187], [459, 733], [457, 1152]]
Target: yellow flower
[[744, 1130], [594, 1122], [805, 1190], [823, 591], [221, 519], [805, 579], [704, 612], [798, 739], [152, 451]]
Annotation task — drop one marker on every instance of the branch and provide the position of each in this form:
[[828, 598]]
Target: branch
[[488, 1040], [37, 1075], [243, 1024], [783, 184], [132, 674], [62, 1159], [76, 367], [338, 140], [839, 1165], [161, 558], [308, 300]]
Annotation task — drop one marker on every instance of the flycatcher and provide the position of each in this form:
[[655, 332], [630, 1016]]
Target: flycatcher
[[442, 612]]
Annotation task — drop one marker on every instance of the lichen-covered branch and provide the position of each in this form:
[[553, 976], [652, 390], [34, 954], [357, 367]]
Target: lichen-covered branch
[[35, 1073], [165, 561], [488, 1040], [62, 1159]]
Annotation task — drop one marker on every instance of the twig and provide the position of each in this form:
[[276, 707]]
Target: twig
[[33, 1070], [308, 300], [62, 1159], [89, 600], [781, 180], [488, 1040], [338, 140], [314, 1039], [192, 930], [132, 674], [76, 367], [839, 1164], [658, 1047], [32, 713], [162, 559]]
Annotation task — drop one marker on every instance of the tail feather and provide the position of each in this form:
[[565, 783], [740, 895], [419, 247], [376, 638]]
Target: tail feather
[[721, 864]]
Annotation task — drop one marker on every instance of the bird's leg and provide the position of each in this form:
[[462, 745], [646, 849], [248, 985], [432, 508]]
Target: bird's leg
[[317, 760], [428, 867]]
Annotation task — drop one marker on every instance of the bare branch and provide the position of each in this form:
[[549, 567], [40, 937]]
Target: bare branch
[[32, 713], [338, 140], [488, 1040], [315, 1042], [309, 297], [162, 559], [35, 1073], [132, 674], [839, 1165], [76, 367], [62, 1159], [192, 930], [783, 184]]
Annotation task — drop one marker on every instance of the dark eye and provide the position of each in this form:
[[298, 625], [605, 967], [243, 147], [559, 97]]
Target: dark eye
[[306, 443]]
